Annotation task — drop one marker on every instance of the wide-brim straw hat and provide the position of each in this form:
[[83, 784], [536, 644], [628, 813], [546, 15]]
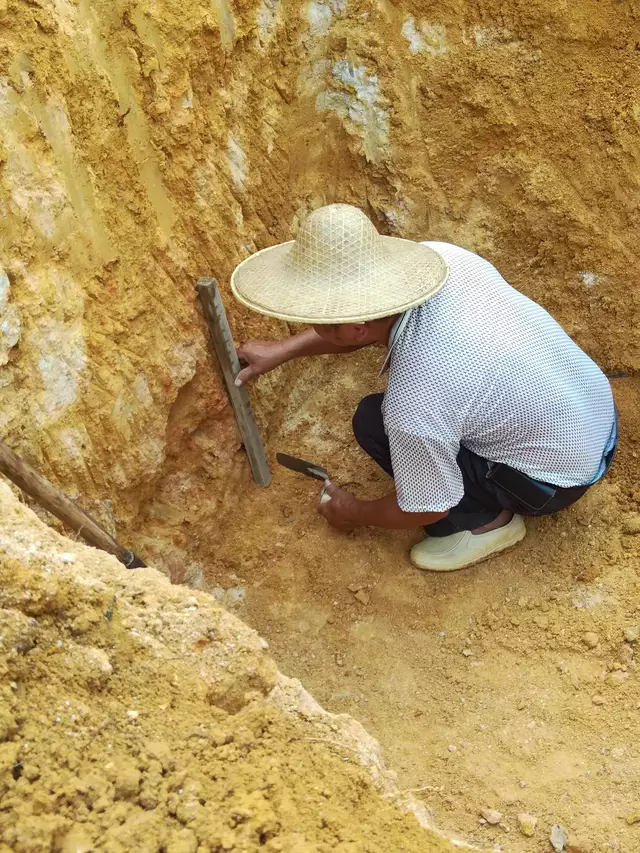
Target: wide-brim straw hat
[[339, 270]]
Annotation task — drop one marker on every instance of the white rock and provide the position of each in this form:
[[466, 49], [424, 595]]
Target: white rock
[[491, 816], [558, 837]]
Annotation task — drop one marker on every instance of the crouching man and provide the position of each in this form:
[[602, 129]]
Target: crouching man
[[491, 411]]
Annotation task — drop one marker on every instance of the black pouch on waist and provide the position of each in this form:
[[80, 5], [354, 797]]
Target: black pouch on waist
[[532, 493]]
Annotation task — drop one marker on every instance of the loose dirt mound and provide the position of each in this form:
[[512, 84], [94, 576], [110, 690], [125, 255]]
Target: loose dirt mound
[[137, 716]]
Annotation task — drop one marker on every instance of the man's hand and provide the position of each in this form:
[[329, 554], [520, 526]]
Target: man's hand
[[342, 510], [259, 357]]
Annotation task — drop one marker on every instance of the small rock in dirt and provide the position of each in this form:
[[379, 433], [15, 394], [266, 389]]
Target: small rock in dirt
[[356, 587], [598, 700], [19, 632], [25, 645], [229, 597], [617, 678], [467, 653], [558, 837], [132, 715], [363, 596], [452, 747], [491, 816], [591, 639], [98, 667], [236, 594], [125, 776], [148, 800], [527, 824], [633, 817], [631, 523], [76, 841], [68, 558], [632, 634]]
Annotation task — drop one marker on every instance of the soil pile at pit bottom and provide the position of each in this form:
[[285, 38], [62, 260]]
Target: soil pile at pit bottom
[[135, 715]]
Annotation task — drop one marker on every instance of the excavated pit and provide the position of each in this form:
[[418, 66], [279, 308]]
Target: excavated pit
[[143, 146]]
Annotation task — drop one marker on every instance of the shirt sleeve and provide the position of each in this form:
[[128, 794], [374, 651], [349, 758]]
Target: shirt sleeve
[[425, 471]]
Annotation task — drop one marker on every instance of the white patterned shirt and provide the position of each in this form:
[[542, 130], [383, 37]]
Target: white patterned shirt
[[482, 366]]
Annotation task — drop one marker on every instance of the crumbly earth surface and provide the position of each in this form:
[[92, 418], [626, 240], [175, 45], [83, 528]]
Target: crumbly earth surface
[[135, 715], [510, 686], [143, 147]]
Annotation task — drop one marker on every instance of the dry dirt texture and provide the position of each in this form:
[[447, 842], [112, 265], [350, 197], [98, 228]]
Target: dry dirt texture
[[482, 686], [142, 147], [137, 716]]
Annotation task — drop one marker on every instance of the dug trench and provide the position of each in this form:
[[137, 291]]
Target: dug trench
[[143, 148], [511, 686]]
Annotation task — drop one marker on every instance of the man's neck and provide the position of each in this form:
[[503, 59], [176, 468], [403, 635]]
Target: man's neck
[[385, 329]]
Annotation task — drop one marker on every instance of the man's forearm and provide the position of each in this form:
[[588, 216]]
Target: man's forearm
[[260, 357], [385, 512], [309, 343]]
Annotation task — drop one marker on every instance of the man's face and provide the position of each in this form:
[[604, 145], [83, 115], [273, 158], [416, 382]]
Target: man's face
[[347, 334]]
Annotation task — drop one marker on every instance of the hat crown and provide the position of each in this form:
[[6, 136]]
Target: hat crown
[[339, 270], [335, 242]]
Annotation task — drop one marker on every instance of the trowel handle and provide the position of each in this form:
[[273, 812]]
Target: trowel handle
[[324, 497]]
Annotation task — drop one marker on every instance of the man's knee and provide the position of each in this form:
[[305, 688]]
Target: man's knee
[[367, 419], [368, 428]]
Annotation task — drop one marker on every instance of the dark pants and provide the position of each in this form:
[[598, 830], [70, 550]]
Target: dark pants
[[482, 502]]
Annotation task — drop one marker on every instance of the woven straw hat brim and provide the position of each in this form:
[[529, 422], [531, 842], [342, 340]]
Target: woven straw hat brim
[[408, 275]]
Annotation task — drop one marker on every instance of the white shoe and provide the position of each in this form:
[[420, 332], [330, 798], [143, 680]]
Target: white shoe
[[447, 553]]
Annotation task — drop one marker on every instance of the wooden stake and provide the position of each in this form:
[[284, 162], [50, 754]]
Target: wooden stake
[[61, 505], [225, 350]]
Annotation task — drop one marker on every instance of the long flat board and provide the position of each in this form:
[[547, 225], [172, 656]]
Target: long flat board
[[216, 318]]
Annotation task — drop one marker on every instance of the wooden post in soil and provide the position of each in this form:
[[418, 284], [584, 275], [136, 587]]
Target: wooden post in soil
[[61, 505], [225, 350]]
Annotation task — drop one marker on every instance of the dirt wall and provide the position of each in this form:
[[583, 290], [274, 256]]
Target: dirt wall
[[135, 715], [144, 145]]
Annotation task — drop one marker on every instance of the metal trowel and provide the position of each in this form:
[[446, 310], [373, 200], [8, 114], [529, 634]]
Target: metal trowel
[[309, 469]]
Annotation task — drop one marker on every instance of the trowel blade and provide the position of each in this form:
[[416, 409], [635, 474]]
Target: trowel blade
[[302, 467]]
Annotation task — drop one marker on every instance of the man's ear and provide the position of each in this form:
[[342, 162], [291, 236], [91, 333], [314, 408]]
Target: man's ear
[[360, 332]]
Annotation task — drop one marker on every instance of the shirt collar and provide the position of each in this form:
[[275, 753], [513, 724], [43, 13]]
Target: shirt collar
[[394, 336]]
